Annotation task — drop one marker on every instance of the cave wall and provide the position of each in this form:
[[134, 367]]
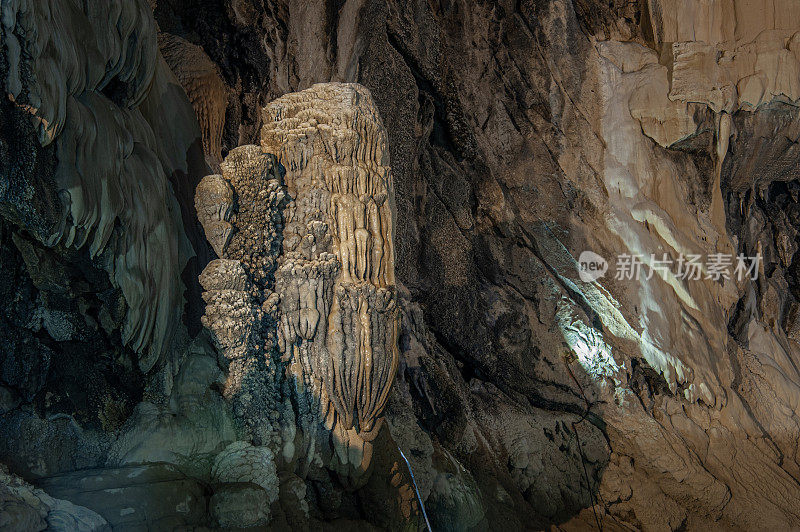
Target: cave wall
[[519, 134]]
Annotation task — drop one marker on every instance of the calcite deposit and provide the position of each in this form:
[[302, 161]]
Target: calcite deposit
[[338, 302], [310, 265], [199, 77], [88, 85], [370, 264]]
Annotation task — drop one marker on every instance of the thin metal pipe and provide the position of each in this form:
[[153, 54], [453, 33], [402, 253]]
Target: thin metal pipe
[[416, 488]]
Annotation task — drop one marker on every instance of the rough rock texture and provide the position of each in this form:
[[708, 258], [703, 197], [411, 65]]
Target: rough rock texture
[[311, 265], [200, 79], [90, 77], [519, 134], [338, 306], [96, 227], [22, 507]]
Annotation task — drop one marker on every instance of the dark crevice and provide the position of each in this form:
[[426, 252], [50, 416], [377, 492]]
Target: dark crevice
[[441, 134], [332, 9]]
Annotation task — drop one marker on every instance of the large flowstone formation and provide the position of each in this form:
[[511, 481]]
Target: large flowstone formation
[[314, 270], [96, 76]]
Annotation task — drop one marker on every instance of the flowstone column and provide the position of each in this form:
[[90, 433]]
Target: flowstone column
[[339, 316], [304, 292], [241, 213]]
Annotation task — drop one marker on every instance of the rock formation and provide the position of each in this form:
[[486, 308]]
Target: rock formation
[[97, 75], [338, 304], [22, 507], [329, 287], [345, 345], [200, 79]]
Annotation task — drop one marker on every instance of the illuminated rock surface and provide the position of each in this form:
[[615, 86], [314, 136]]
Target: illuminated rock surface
[[519, 135]]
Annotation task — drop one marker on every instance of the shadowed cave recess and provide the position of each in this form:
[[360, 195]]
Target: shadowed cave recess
[[320, 265]]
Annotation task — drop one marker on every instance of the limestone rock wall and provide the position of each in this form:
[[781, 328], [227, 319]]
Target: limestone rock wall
[[513, 393], [89, 76]]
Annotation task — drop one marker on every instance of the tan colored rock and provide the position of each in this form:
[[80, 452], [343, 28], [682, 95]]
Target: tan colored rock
[[200, 78], [336, 280], [729, 54], [698, 77], [333, 293], [256, 180], [213, 202]]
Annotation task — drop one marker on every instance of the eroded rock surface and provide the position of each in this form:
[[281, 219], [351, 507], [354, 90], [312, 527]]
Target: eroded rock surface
[[90, 78], [23, 507], [322, 281], [519, 134], [338, 304]]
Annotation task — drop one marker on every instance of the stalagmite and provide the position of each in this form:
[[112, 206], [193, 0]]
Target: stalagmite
[[325, 254], [343, 339], [240, 211]]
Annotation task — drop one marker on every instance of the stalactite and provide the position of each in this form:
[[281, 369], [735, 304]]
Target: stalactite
[[201, 80]]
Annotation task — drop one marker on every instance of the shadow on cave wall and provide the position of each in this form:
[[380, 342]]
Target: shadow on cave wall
[[68, 382], [479, 377], [539, 440], [61, 355], [446, 263], [761, 187]]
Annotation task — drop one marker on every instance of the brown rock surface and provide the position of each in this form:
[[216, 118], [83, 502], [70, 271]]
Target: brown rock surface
[[519, 134]]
